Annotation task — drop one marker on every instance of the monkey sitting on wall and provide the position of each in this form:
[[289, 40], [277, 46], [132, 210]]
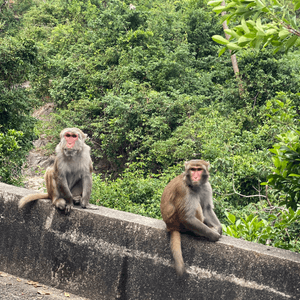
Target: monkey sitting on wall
[[70, 179], [186, 203]]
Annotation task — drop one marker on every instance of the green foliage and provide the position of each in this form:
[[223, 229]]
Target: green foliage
[[11, 156], [260, 23], [10, 15], [265, 74], [285, 174], [133, 192], [279, 230], [16, 126]]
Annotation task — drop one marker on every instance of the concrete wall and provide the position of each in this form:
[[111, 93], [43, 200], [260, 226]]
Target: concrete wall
[[101, 253]]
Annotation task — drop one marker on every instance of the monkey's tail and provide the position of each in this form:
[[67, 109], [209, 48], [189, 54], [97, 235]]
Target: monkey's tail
[[176, 251], [32, 197]]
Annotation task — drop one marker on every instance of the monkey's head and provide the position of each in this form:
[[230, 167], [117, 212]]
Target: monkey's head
[[196, 172], [72, 141]]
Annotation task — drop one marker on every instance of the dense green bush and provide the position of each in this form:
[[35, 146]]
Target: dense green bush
[[279, 230], [285, 174], [17, 58], [133, 192]]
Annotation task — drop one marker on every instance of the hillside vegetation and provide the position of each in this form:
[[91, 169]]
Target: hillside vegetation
[[144, 80]]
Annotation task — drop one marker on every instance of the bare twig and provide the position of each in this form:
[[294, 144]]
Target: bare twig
[[255, 100], [245, 196]]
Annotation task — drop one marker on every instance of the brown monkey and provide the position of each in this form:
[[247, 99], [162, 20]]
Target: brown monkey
[[70, 179], [186, 204]]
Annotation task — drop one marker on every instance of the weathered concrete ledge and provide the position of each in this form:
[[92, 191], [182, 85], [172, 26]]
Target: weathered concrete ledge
[[101, 253]]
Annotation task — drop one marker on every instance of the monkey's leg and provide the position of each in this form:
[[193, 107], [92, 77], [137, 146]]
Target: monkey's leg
[[77, 192], [176, 251], [52, 189], [66, 198], [201, 229]]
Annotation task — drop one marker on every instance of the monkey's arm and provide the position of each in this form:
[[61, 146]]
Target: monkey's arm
[[211, 220], [200, 229], [86, 190]]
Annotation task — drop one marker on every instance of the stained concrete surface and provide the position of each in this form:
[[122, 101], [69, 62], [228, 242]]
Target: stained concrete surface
[[16, 288]]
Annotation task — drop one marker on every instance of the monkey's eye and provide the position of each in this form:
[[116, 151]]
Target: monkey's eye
[[196, 169], [71, 135]]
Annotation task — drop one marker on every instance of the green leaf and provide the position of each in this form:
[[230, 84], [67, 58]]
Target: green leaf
[[232, 33], [219, 39], [283, 33], [243, 41], [297, 6], [222, 51], [219, 9], [231, 217], [244, 25], [215, 2], [291, 41], [271, 31], [233, 46]]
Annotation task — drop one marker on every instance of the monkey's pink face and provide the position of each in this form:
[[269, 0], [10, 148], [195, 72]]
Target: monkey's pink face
[[71, 139], [196, 174]]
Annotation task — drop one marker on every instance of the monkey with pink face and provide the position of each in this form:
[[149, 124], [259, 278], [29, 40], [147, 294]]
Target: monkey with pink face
[[186, 204], [70, 178]]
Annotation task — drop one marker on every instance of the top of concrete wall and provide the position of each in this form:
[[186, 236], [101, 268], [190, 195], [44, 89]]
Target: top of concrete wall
[[102, 253]]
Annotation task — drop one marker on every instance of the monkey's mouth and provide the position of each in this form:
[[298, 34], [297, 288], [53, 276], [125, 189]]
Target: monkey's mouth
[[70, 152], [196, 178], [70, 145]]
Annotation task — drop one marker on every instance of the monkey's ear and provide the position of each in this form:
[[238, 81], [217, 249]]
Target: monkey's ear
[[62, 133], [84, 136], [186, 163], [208, 165]]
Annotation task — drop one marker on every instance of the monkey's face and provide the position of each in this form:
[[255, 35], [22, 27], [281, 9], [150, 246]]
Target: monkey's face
[[196, 173], [70, 138], [71, 143]]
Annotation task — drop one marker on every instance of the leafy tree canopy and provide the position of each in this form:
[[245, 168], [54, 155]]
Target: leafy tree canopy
[[258, 23]]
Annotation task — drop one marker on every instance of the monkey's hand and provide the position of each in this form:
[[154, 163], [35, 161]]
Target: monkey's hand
[[84, 203], [214, 236], [68, 208], [217, 229]]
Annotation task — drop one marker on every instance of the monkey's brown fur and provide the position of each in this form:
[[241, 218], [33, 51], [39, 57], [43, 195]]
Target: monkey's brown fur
[[187, 204], [70, 178]]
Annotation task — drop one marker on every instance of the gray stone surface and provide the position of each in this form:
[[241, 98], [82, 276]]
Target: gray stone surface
[[100, 253], [17, 288]]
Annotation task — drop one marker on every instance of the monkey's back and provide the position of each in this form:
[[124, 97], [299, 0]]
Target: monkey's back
[[172, 200]]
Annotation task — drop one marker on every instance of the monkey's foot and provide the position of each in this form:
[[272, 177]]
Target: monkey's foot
[[60, 203], [77, 199]]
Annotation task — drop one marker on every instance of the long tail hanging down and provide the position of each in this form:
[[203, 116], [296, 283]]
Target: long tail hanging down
[[176, 251]]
